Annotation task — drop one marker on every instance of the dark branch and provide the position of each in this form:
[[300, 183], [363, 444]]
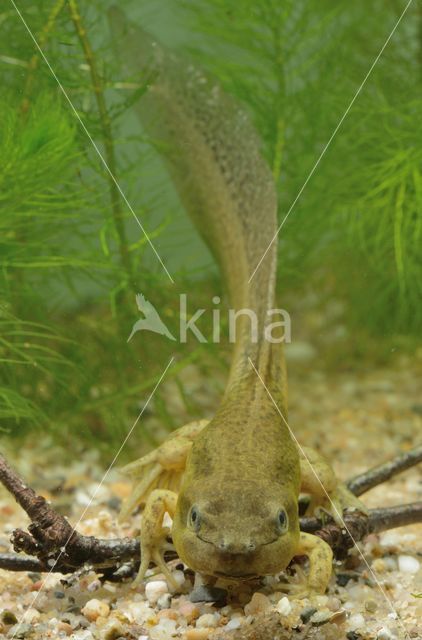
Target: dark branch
[[55, 546], [51, 537], [369, 479], [14, 562], [358, 525]]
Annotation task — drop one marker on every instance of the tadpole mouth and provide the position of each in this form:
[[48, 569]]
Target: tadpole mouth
[[236, 576]]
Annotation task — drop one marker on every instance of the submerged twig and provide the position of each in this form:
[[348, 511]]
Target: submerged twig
[[53, 540], [15, 562], [358, 525], [369, 479], [57, 547]]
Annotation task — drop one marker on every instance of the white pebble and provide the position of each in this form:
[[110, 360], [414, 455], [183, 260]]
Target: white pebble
[[385, 634], [94, 609], [409, 564], [390, 539], [164, 601], [82, 635], [233, 624], [83, 499], [155, 589], [113, 629], [207, 620], [32, 615], [179, 577], [357, 621], [139, 611], [165, 629], [94, 586], [390, 563], [283, 606]]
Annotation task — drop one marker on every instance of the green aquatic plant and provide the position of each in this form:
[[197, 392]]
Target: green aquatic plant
[[68, 242], [72, 254], [298, 66]]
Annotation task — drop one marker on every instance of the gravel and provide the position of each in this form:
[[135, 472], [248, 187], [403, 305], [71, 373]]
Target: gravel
[[357, 421]]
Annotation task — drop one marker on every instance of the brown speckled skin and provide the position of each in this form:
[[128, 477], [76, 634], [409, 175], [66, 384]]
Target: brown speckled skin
[[244, 466]]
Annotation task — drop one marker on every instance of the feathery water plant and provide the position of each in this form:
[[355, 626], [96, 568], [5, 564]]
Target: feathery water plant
[[297, 66], [72, 255]]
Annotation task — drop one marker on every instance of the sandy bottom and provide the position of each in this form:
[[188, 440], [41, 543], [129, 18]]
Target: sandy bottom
[[356, 420]]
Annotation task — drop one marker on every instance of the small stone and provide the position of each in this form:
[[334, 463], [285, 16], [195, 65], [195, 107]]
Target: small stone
[[8, 617], [306, 614], [321, 617], [112, 630], [73, 608], [390, 539], [357, 621], [343, 578], [189, 611], [197, 634], [258, 604], [207, 593], [233, 624], [164, 601], [65, 627], [94, 586], [94, 609], [168, 613], [352, 635], [82, 635], [59, 595], [32, 615], [155, 589], [207, 620], [114, 503], [334, 604], [385, 634], [338, 617], [179, 577], [371, 606], [21, 630], [359, 592], [283, 606], [379, 565], [164, 630], [409, 564]]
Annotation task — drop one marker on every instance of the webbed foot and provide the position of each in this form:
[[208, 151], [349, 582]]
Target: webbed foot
[[153, 534], [327, 494], [337, 503], [162, 468], [320, 557]]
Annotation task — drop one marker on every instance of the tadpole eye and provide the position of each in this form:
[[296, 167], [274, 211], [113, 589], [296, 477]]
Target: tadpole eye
[[194, 517], [282, 521]]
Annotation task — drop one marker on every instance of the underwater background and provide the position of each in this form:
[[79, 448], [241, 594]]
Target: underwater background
[[93, 239], [73, 257]]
